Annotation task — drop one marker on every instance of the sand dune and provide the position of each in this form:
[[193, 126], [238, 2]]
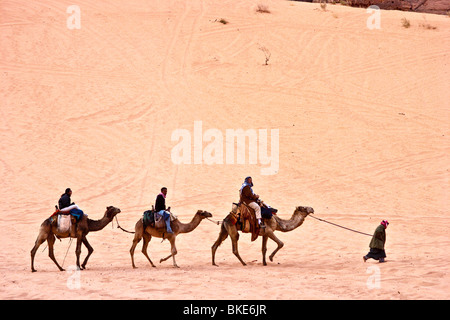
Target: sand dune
[[363, 120]]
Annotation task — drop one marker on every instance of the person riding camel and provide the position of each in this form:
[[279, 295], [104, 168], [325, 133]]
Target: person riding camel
[[66, 206], [248, 197], [160, 208]]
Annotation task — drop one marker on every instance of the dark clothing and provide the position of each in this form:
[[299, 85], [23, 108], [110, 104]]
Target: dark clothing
[[376, 254], [267, 212], [160, 208], [378, 238], [160, 203], [64, 201], [247, 195], [377, 244]]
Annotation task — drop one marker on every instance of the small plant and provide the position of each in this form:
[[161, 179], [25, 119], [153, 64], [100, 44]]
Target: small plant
[[405, 23], [266, 53], [223, 21], [428, 26], [262, 8], [323, 5]]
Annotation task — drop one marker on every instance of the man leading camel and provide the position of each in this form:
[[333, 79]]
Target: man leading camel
[[248, 197], [377, 243]]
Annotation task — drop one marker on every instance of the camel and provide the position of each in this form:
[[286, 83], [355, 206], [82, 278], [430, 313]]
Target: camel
[[272, 225], [177, 228], [49, 230]]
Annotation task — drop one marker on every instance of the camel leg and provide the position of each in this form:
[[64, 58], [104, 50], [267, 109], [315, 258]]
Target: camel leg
[[236, 252], [222, 236], [51, 242], [90, 250], [44, 234], [264, 249], [234, 235], [280, 244], [78, 252], [40, 239], [147, 238], [139, 230], [173, 252]]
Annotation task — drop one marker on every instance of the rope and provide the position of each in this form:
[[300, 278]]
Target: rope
[[118, 226], [70, 243], [334, 224], [337, 225], [216, 222]]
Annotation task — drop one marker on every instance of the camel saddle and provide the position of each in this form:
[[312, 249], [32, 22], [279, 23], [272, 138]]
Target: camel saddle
[[153, 219], [56, 217], [244, 218], [64, 222]]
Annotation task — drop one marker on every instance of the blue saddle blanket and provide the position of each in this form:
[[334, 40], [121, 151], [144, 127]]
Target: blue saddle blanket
[[77, 213]]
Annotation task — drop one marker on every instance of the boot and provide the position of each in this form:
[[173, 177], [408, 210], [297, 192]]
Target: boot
[[261, 223]]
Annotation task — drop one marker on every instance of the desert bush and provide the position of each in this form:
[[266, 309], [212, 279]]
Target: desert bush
[[261, 8], [405, 23]]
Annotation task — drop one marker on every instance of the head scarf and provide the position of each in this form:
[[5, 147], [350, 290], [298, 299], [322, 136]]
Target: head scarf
[[246, 183], [385, 223]]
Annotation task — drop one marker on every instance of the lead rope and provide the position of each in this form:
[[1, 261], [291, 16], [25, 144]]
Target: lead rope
[[213, 221], [334, 224], [118, 226]]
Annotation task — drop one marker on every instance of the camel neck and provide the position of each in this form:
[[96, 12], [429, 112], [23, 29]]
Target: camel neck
[[294, 222], [188, 227], [297, 219], [97, 225]]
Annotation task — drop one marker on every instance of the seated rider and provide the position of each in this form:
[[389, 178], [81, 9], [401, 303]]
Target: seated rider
[[248, 197], [65, 204], [160, 208]]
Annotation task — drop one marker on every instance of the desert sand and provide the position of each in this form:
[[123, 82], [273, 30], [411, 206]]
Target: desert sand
[[363, 122]]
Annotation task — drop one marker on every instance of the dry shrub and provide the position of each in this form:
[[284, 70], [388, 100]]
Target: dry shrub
[[261, 8], [406, 23]]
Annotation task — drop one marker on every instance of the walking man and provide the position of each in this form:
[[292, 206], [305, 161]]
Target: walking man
[[377, 243]]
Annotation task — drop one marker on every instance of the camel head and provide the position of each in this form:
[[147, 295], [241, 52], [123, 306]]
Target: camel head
[[304, 211], [204, 214], [111, 212]]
